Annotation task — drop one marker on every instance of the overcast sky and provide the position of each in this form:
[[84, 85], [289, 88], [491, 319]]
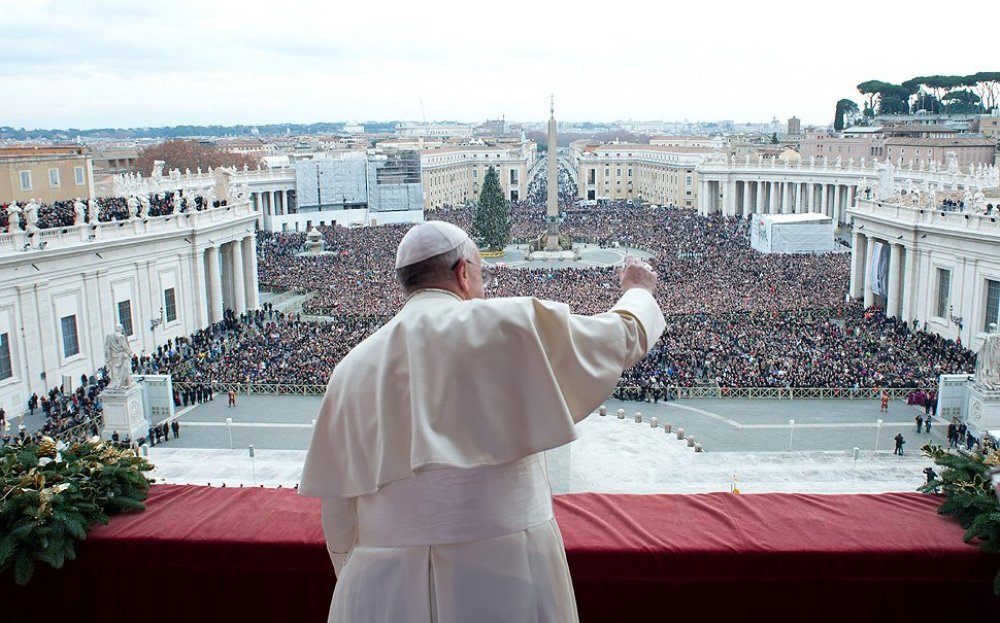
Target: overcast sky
[[99, 63]]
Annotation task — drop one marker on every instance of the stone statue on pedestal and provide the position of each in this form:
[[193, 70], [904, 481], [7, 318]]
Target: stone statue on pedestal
[[133, 206], [979, 201], [31, 216], [13, 216], [93, 211], [988, 362], [79, 212], [118, 359]]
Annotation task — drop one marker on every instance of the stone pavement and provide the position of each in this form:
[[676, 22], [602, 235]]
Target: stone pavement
[[720, 425]]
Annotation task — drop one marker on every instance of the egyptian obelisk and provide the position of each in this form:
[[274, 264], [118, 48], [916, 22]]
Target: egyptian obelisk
[[552, 203]]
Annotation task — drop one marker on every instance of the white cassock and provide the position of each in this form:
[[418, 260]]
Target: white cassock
[[426, 452]]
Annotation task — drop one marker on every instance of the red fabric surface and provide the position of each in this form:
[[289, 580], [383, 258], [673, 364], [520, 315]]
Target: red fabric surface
[[211, 554]]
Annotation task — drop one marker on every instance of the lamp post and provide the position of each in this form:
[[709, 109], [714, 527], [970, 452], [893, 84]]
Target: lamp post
[[791, 433], [878, 431], [253, 464], [229, 427], [319, 192]]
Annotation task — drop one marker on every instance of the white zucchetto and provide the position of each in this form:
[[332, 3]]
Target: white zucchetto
[[427, 239]]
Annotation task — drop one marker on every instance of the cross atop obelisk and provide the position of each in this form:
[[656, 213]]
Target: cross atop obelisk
[[552, 203]]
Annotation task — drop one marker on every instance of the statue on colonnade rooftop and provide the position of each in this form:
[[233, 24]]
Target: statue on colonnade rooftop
[[79, 212]]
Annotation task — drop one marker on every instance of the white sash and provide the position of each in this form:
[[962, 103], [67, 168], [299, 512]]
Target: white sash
[[453, 505]]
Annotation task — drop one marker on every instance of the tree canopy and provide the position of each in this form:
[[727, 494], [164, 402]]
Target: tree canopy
[[845, 107], [178, 154], [491, 224], [974, 93]]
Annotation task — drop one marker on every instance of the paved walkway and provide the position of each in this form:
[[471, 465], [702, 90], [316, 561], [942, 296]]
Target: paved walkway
[[720, 425]]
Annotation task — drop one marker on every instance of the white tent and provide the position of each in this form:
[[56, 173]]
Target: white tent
[[791, 233]]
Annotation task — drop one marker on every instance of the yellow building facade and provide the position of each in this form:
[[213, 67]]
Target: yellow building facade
[[658, 174], [453, 176], [45, 174]]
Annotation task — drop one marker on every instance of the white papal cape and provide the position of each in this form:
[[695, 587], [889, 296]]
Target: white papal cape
[[436, 505]]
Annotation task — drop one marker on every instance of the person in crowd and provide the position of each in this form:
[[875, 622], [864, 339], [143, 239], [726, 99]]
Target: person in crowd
[[393, 427], [899, 444]]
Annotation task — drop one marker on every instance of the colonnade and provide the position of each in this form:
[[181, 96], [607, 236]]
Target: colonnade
[[745, 197], [899, 281], [226, 278], [272, 202]]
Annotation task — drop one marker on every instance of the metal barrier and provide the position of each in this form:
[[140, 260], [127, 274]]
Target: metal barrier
[[634, 392], [630, 392], [258, 388], [80, 431]]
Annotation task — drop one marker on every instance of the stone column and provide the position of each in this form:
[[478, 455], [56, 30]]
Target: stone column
[[239, 290], [786, 197], [773, 208], [857, 266], [823, 200], [892, 298], [746, 199], [798, 197], [250, 284], [836, 205], [214, 283], [759, 208], [811, 202], [200, 294], [869, 251], [703, 198], [906, 313], [278, 208]]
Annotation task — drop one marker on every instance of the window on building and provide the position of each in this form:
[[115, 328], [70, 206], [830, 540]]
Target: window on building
[[53, 178], [169, 305], [475, 173], [78, 173], [943, 292], [591, 176], [992, 314], [71, 343], [25, 180], [125, 316], [6, 370]]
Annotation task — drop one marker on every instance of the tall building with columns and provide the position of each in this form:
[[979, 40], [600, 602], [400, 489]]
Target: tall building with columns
[[744, 186], [938, 268], [63, 290]]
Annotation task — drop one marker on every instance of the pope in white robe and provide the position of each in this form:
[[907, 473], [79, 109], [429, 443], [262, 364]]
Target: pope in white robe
[[427, 448]]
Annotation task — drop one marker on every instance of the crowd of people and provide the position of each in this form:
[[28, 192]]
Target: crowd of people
[[706, 264], [16, 216], [65, 412], [737, 318]]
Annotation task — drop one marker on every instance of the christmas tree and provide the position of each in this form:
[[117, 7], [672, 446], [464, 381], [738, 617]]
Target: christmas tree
[[491, 225]]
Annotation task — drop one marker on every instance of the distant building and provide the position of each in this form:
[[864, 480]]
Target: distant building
[[438, 130], [45, 174], [657, 174], [854, 143], [967, 150], [794, 126], [114, 159], [453, 175]]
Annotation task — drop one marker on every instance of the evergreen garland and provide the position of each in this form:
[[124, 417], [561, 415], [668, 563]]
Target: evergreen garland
[[52, 493], [491, 225], [970, 497]]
